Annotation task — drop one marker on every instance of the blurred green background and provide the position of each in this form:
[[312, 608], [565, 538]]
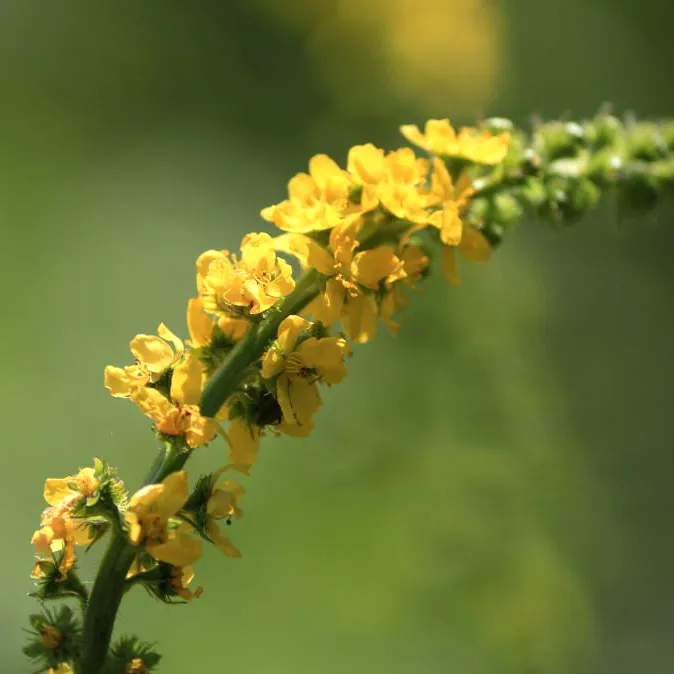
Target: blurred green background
[[490, 493]]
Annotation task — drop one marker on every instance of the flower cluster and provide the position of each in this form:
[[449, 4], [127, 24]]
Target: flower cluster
[[363, 236]]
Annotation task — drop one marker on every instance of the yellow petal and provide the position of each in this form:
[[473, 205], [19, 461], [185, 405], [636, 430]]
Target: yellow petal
[[180, 550], [187, 380], [450, 266], [55, 490], [123, 382], [326, 356], [200, 430], [371, 266], [328, 306], [307, 251], [451, 227], [359, 318], [199, 323], [221, 541], [153, 352], [167, 335], [322, 169], [298, 398], [204, 261], [413, 134], [152, 403], [135, 527], [257, 252], [244, 443], [474, 246], [174, 495], [366, 162], [289, 332], [283, 284], [144, 499], [302, 187]]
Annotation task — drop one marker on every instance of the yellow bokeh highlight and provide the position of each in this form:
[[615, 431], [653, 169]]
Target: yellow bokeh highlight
[[430, 53]]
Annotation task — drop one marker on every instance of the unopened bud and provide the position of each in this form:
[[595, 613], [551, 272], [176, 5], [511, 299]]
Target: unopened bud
[[604, 131], [645, 142], [604, 166], [497, 125], [559, 139]]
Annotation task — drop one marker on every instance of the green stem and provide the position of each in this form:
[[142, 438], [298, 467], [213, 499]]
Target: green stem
[[108, 589], [229, 373]]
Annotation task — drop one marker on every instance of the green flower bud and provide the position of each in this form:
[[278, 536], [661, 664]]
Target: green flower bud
[[497, 125], [559, 139], [532, 193], [569, 198], [505, 208], [604, 167], [604, 131], [645, 142]]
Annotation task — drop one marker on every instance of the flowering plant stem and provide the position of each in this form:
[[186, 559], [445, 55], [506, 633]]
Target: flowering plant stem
[[366, 236], [108, 589]]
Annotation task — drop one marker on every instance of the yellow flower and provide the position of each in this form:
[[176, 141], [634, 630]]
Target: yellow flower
[[65, 491], [172, 417], [153, 355], [480, 147], [319, 200], [223, 503], [201, 325], [415, 263], [395, 180], [451, 200], [181, 577], [299, 366], [351, 276], [190, 374], [60, 533], [473, 246], [148, 517], [247, 286]]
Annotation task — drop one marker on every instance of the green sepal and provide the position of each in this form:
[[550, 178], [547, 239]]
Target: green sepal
[[126, 650], [46, 653], [51, 585]]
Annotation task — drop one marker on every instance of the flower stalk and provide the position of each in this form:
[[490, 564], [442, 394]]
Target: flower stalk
[[261, 347]]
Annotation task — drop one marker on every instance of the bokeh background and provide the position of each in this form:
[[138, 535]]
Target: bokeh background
[[490, 493]]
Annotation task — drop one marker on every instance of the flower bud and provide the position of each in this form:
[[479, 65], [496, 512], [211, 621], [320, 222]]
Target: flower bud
[[532, 193], [604, 166], [559, 139], [604, 131], [645, 142], [497, 125]]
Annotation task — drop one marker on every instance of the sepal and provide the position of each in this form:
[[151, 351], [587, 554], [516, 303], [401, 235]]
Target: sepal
[[130, 655], [54, 638]]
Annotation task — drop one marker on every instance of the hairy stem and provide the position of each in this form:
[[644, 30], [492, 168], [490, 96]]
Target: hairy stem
[[108, 589]]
